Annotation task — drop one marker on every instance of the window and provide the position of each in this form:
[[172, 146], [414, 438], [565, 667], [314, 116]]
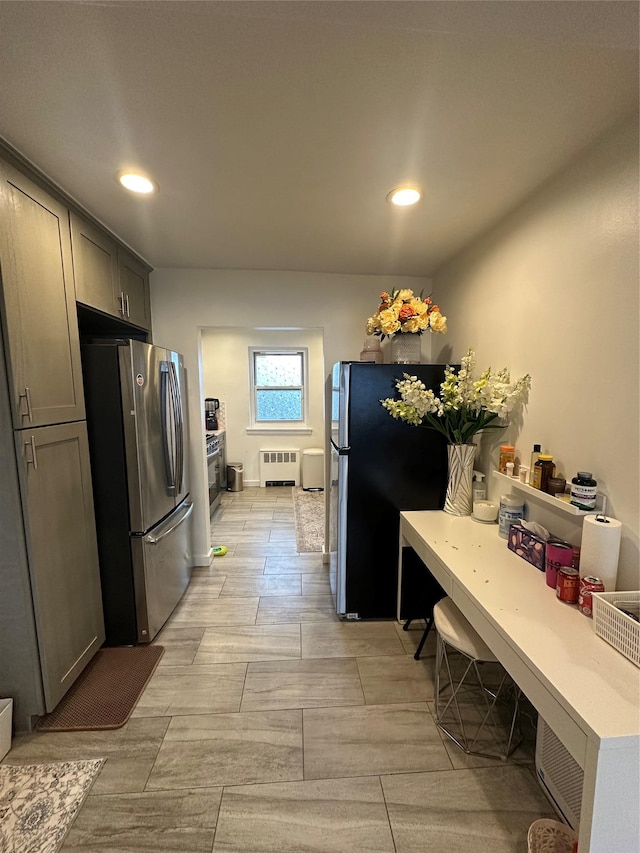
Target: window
[[278, 386]]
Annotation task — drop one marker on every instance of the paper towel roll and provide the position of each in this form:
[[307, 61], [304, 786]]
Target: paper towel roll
[[600, 549]]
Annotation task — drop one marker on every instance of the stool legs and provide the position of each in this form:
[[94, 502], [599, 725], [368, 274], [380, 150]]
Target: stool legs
[[489, 698], [425, 634]]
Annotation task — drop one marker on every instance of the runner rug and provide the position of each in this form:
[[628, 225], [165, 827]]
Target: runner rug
[[38, 803], [106, 693], [308, 513]]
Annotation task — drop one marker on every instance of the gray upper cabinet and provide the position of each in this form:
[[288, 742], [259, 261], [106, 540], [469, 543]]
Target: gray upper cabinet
[[107, 277], [95, 266], [55, 481], [134, 286], [40, 321]]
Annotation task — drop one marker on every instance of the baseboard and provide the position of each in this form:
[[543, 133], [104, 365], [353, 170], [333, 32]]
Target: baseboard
[[202, 559]]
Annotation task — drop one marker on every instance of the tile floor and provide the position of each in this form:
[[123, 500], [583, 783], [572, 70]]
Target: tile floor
[[270, 725]]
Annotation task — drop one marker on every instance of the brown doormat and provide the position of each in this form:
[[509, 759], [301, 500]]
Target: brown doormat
[[106, 693]]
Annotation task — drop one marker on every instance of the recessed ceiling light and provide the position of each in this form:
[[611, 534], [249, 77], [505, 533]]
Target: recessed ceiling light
[[136, 183], [404, 196]]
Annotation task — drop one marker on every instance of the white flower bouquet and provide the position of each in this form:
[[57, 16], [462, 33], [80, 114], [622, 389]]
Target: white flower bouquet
[[465, 404]]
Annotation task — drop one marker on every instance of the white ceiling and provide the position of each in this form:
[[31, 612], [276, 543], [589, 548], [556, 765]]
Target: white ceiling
[[276, 129]]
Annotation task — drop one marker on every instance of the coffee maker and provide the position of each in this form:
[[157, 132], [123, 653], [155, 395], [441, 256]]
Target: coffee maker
[[211, 406]]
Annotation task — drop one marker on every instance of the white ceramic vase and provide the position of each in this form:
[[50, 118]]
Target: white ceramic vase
[[459, 497]]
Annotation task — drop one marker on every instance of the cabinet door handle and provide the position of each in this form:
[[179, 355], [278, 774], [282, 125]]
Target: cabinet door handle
[[34, 458], [27, 396], [126, 302], [121, 300]]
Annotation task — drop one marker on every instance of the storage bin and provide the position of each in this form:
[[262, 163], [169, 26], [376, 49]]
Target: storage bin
[[313, 468], [235, 477], [619, 630], [6, 716], [527, 545]]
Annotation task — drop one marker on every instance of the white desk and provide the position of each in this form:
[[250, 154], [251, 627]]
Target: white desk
[[587, 692]]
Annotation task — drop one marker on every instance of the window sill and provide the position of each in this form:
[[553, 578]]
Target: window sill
[[279, 430]]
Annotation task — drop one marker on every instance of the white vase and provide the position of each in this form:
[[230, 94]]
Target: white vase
[[405, 348], [459, 498]]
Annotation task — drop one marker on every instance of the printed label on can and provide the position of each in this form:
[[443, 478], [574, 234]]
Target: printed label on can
[[568, 585], [588, 586]]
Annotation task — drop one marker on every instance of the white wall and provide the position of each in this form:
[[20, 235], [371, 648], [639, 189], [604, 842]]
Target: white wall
[[553, 291], [184, 302], [225, 371]]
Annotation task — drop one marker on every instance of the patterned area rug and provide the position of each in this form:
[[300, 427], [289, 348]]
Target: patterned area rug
[[308, 513], [38, 803]]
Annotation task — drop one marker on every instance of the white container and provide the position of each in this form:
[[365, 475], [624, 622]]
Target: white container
[[486, 511], [619, 630], [6, 715], [313, 469], [511, 510]]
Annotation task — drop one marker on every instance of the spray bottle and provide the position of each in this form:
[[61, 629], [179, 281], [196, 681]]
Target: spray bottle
[[479, 489]]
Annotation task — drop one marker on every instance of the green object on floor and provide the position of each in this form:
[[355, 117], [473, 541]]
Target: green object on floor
[[220, 552]]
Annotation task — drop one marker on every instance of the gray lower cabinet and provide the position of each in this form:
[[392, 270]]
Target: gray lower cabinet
[[108, 278], [57, 501], [40, 321]]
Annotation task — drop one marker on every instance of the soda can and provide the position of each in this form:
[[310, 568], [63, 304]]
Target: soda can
[[588, 586], [568, 587]]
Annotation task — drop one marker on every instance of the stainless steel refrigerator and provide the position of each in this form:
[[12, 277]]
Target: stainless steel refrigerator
[[379, 466], [138, 437]]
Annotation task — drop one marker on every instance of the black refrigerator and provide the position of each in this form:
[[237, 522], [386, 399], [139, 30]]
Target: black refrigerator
[[379, 467]]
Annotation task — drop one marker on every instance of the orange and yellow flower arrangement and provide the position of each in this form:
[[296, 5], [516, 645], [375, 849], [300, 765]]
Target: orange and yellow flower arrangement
[[401, 311]]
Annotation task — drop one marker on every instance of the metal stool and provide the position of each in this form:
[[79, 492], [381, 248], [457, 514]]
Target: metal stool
[[477, 703]]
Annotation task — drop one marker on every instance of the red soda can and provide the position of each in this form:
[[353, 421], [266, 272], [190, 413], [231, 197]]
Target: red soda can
[[568, 585], [587, 587]]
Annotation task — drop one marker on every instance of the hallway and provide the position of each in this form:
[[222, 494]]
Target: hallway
[[270, 725]]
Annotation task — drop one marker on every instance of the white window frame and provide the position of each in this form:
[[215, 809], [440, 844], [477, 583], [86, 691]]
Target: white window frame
[[301, 426]]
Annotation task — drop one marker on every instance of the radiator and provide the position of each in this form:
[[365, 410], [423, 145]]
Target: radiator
[[559, 774], [280, 467]]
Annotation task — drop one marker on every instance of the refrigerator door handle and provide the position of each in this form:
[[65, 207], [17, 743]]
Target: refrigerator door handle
[[183, 515], [341, 525], [179, 431], [166, 398], [341, 451]]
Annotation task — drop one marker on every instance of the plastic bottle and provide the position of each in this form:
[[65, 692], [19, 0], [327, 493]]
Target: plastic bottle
[[584, 490], [479, 490], [507, 454], [509, 466], [534, 459]]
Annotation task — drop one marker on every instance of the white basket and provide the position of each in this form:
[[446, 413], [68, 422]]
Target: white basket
[[550, 836], [614, 626]]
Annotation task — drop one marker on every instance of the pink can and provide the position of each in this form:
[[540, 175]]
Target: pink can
[[557, 555]]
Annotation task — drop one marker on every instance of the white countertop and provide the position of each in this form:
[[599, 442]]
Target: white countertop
[[597, 686], [216, 432]]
